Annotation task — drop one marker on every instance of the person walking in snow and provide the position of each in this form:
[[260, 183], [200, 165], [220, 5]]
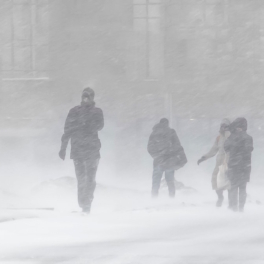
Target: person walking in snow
[[239, 146], [81, 127], [221, 160], [168, 154]]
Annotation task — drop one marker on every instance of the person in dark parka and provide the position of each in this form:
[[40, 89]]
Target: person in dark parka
[[239, 147], [168, 154], [81, 127]]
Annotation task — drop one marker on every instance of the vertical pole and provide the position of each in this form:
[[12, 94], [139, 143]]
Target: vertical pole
[[147, 42], [169, 108], [13, 40], [33, 52]]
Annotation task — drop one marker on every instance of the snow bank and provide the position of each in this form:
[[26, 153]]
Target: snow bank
[[126, 226]]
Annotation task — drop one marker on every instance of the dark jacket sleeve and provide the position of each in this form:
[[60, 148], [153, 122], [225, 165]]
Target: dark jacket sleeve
[[98, 123], [249, 144], [229, 143], [151, 147], [176, 144], [181, 158], [69, 128]]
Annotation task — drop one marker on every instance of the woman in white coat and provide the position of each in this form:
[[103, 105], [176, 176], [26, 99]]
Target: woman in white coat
[[221, 159]]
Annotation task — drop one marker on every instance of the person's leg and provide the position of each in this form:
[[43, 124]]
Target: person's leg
[[90, 183], [242, 196], [229, 177], [156, 178], [81, 181], [228, 195], [220, 198], [169, 176], [233, 196], [214, 178]]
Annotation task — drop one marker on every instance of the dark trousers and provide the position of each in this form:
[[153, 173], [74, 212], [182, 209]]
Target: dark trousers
[[220, 196], [85, 171], [156, 179], [238, 195]]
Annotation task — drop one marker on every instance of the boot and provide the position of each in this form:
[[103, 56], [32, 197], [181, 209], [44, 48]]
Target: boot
[[241, 209], [86, 210], [234, 208], [172, 195], [154, 194], [220, 198], [219, 202]]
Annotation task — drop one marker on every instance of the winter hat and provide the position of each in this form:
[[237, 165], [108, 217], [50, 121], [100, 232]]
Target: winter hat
[[88, 92], [164, 121], [163, 124], [240, 122], [225, 121]]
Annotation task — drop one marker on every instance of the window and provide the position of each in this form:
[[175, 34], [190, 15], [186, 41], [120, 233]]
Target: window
[[25, 36], [149, 41]]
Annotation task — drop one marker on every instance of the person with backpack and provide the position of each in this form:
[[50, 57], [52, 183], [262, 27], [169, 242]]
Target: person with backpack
[[168, 155], [81, 128], [220, 169], [239, 147]]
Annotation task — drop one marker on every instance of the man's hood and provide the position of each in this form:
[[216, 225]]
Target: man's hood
[[240, 122], [160, 128]]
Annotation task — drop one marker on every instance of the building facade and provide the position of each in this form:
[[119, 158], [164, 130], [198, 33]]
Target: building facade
[[190, 50], [184, 59]]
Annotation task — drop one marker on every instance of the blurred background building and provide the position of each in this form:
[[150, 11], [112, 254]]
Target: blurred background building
[[194, 61]]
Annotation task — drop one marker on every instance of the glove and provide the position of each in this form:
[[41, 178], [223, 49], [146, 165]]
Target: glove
[[201, 160], [62, 154]]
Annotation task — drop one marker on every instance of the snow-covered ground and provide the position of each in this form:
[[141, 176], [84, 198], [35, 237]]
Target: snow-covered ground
[[126, 226]]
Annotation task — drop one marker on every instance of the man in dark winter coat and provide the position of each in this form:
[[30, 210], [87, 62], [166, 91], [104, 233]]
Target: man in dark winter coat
[[81, 127], [168, 154], [239, 147]]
